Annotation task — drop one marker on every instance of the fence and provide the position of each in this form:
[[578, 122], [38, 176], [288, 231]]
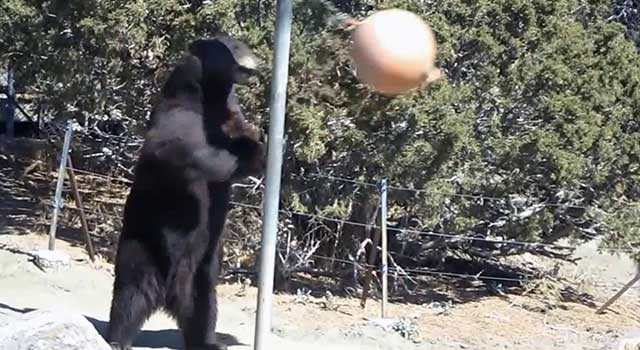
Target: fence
[[379, 241]]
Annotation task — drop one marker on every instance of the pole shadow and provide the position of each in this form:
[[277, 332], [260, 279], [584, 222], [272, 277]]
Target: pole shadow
[[15, 309]]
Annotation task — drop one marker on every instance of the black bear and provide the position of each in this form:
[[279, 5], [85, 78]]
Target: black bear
[[225, 127], [168, 251]]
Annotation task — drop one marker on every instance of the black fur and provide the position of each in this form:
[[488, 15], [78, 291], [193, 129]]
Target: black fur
[[169, 249], [250, 154]]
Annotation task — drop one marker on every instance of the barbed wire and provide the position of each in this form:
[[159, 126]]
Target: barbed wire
[[422, 272]]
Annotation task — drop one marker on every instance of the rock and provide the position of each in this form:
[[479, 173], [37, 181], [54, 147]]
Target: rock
[[629, 344], [384, 323], [629, 341], [50, 259], [7, 316], [50, 330]]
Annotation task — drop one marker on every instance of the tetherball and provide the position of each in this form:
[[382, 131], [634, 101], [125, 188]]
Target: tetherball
[[394, 51]]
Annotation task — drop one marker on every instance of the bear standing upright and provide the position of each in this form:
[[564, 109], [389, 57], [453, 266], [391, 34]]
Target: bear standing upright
[[174, 215], [225, 127]]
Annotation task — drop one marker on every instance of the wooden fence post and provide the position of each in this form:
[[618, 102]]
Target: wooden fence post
[[619, 294], [83, 218]]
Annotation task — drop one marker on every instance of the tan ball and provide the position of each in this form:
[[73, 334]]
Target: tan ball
[[394, 51]]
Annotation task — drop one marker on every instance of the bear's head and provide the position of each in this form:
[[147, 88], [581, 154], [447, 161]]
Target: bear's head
[[224, 62]]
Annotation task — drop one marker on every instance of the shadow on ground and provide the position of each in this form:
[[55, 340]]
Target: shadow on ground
[[15, 309], [153, 339], [158, 339], [17, 205]]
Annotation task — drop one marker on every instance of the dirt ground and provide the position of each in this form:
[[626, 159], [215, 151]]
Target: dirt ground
[[300, 321], [501, 322]]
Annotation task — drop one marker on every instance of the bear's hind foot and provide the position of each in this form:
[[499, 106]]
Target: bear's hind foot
[[118, 346], [219, 346]]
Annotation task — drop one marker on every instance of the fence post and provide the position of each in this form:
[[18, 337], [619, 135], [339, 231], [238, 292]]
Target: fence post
[[383, 234], [617, 296], [83, 218], [11, 107], [372, 257], [57, 199]]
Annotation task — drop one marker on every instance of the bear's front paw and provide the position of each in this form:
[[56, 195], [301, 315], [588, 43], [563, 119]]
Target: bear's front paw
[[259, 160], [251, 155]]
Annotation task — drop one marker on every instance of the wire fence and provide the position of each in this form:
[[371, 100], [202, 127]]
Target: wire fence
[[312, 176], [429, 233], [396, 271], [430, 191], [408, 272], [399, 272]]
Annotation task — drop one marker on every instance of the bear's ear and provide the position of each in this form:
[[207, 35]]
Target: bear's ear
[[186, 77]]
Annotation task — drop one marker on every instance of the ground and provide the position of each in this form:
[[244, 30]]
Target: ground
[[511, 321], [507, 322]]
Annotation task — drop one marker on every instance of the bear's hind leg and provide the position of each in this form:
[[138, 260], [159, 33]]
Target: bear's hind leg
[[199, 327], [136, 294]]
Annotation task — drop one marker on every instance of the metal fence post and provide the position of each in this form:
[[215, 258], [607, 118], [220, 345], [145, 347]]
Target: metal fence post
[[57, 199], [274, 172], [383, 231]]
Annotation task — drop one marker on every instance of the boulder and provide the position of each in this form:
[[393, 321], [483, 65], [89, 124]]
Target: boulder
[[49, 330], [629, 344]]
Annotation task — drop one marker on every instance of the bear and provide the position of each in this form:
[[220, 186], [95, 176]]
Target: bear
[[168, 254], [225, 127]]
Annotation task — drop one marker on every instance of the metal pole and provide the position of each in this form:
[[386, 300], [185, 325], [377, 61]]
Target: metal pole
[[274, 172], [57, 200], [372, 257], [11, 107], [383, 231]]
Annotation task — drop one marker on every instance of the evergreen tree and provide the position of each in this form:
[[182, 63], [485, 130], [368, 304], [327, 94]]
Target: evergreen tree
[[532, 135]]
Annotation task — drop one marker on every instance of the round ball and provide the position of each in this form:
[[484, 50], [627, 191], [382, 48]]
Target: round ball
[[394, 51]]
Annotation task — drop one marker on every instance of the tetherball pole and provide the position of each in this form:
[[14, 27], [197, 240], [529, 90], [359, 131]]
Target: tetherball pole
[[273, 173]]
